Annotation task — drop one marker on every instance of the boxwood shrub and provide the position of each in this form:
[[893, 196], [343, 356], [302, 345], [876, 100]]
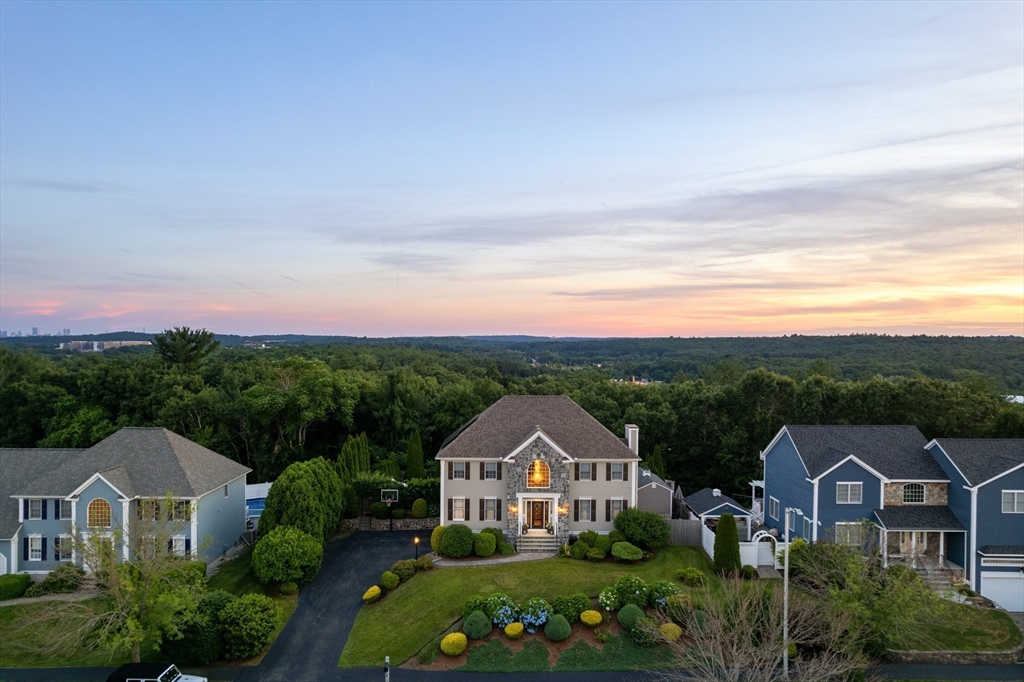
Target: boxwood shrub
[[475, 602], [405, 569], [398, 513], [596, 554], [628, 615], [457, 541], [579, 550], [506, 548], [624, 551], [603, 543], [589, 537], [571, 607], [435, 539], [389, 580], [380, 510], [484, 544], [454, 644], [419, 509], [477, 626], [558, 628], [632, 590], [14, 585]]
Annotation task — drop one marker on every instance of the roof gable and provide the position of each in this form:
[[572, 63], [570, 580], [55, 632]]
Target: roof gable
[[21, 466], [705, 501], [895, 452], [979, 460]]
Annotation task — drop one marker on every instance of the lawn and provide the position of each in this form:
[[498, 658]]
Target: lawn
[[431, 602], [969, 628]]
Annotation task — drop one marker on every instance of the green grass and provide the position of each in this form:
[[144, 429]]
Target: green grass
[[496, 657], [619, 653], [430, 602], [969, 628]]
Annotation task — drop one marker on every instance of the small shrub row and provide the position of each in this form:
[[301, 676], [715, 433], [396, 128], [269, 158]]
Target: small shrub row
[[594, 547], [61, 580], [400, 572], [690, 576], [14, 585], [459, 541]]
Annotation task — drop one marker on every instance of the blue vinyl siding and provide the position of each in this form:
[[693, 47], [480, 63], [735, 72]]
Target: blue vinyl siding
[[785, 479], [995, 527], [830, 512], [5, 551], [49, 528], [221, 520], [959, 502]]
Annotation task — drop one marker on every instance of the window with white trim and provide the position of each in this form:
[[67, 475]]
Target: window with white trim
[[791, 519], [807, 528], [849, 533], [458, 509], [35, 547], [773, 508], [617, 471], [178, 545], [538, 475], [65, 509], [35, 510], [490, 509], [586, 471], [490, 471], [586, 510], [849, 493], [1013, 501], [617, 506], [913, 493], [62, 546], [459, 471]]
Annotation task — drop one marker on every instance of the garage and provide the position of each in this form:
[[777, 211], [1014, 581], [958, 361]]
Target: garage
[[1005, 589]]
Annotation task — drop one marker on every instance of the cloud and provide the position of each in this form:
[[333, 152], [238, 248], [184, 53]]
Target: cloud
[[65, 185]]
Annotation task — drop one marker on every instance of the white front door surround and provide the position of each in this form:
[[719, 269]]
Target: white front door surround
[[524, 502]]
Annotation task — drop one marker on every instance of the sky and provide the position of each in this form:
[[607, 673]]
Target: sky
[[557, 169]]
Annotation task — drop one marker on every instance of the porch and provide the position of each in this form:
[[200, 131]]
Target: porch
[[928, 539]]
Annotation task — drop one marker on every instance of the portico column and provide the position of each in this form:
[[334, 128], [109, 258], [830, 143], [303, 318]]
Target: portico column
[[885, 548], [942, 548]]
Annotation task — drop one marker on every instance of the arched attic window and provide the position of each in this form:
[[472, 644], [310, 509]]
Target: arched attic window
[[99, 514], [539, 475], [913, 493]]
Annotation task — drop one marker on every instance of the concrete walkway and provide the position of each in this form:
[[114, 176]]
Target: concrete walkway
[[441, 562]]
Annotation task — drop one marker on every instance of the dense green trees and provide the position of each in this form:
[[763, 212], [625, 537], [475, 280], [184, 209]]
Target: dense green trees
[[184, 347]]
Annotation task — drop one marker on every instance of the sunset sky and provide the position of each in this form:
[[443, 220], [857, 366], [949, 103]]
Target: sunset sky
[[568, 169]]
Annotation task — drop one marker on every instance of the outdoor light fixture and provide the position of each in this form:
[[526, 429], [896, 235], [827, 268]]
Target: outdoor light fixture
[[416, 541]]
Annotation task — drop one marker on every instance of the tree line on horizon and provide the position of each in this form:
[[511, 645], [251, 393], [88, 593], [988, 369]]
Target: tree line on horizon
[[267, 409]]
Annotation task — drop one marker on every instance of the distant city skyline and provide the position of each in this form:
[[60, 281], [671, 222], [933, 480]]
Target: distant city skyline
[[550, 169]]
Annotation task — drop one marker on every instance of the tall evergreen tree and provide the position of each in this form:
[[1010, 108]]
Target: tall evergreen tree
[[414, 457], [727, 546], [656, 463]]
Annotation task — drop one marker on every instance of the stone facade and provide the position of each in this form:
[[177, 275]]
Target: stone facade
[[516, 473], [935, 494]]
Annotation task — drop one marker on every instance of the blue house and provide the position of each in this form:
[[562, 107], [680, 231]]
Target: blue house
[[50, 497], [928, 513]]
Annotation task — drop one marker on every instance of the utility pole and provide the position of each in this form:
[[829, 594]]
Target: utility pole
[[785, 595]]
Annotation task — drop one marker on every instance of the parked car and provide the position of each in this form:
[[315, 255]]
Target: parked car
[[151, 672]]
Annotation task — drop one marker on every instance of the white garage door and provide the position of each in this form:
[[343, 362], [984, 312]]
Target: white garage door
[[1005, 589]]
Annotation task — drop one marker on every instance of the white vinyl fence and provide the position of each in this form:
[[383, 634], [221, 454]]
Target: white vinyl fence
[[751, 553]]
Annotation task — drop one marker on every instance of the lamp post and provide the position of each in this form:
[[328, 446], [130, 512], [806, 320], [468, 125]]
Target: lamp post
[[416, 541], [785, 596]]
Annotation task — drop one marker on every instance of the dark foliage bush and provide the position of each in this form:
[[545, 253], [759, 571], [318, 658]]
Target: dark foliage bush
[[572, 606], [287, 554], [380, 510], [589, 537], [435, 538], [693, 577], [477, 602], [419, 509], [557, 628], [644, 632], [14, 585], [289, 588], [596, 554], [349, 502], [457, 541], [389, 580], [398, 513], [506, 548], [248, 623], [727, 546], [603, 543], [623, 551], [477, 626], [659, 592], [484, 544], [642, 528], [579, 550], [616, 536], [749, 572], [61, 580], [406, 568], [628, 615], [424, 563], [202, 637]]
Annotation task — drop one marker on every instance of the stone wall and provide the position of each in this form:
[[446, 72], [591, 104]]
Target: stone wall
[[516, 473], [405, 524], [935, 494], [958, 657]]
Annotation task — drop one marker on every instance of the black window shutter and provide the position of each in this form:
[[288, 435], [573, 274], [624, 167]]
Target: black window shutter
[[56, 512], [42, 555], [26, 511], [469, 470], [451, 508], [576, 510], [608, 471], [625, 471], [577, 471], [481, 506], [625, 504], [42, 503], [593, 472], [188, 548], [451, 468], [24, 549], [498, 503], [467, 506], [170, 546], [56, 548], [498, 465], [608, 510], [482, 472]]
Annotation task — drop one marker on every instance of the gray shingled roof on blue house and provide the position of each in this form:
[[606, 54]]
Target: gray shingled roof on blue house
[[923, 517], [896, 452], [704, 501], [18, 468], [982, 459], [140, 462], [1002, 550], [508, 423]]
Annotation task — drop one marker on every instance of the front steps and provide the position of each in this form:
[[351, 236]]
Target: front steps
[[537, 543]]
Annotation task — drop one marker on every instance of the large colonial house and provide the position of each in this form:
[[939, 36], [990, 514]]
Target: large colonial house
[[48, 496], [954, 505], [540, 468]]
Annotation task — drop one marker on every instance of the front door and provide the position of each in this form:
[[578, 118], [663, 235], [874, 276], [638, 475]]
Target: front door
[[913, 542], [538, 519]]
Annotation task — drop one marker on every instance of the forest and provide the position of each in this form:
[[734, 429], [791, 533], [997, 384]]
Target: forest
[[718, 406]]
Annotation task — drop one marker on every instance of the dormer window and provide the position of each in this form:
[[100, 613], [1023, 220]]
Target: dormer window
[[539, 475], [913, 493]]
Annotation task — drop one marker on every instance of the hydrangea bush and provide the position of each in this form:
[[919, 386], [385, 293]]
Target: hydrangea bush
[[609, 599], [501, 609], [632, 590], [659, 593], [534, 614]]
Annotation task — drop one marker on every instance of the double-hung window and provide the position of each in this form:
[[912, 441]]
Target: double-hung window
[[849, 493], [617, 471], [65, 509], [35, 548], [791, 520], [458, 509], [586, 471], [178, 545], [1013, 501], [35, 510], [490, 509], [807, 528], [586, 510], [773, 508], [849, 533], [459, 470], [62, 548], [490, 471], [616, 506]]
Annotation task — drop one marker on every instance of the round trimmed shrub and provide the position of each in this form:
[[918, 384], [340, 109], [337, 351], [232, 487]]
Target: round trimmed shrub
[[435, 539], [454, 644], [646, 529], [609, 599], [484, 544], [603, 543], [457, 541], [579, 550], [380, 510], [678, 605], [595, 554], [248, 623], [514, 630], [591, 618], [398, 513], [748, 572], [690, 576], [288, 588], [659, 593], [534, 613], [201, 639], [645, 632], [571, 607], [589, 537], [474, 603], [405, 569], [558, 628], [14, 585], [371, 595], [389, 580], [419, 509], [477, 626], [501, 609], [628, 615], [287, 554], [496, 532], [632, 590], [624, 551], [424, 563], [61, 580], [616, 536], [670, 632], [506, 548]]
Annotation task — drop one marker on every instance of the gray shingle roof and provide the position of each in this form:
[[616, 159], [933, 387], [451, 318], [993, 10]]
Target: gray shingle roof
[[18, 468], [897, 452], [647, 477], [146, 462], [705, 500], [982, 459], [506, 424], [925, 517], [1002, 550]]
